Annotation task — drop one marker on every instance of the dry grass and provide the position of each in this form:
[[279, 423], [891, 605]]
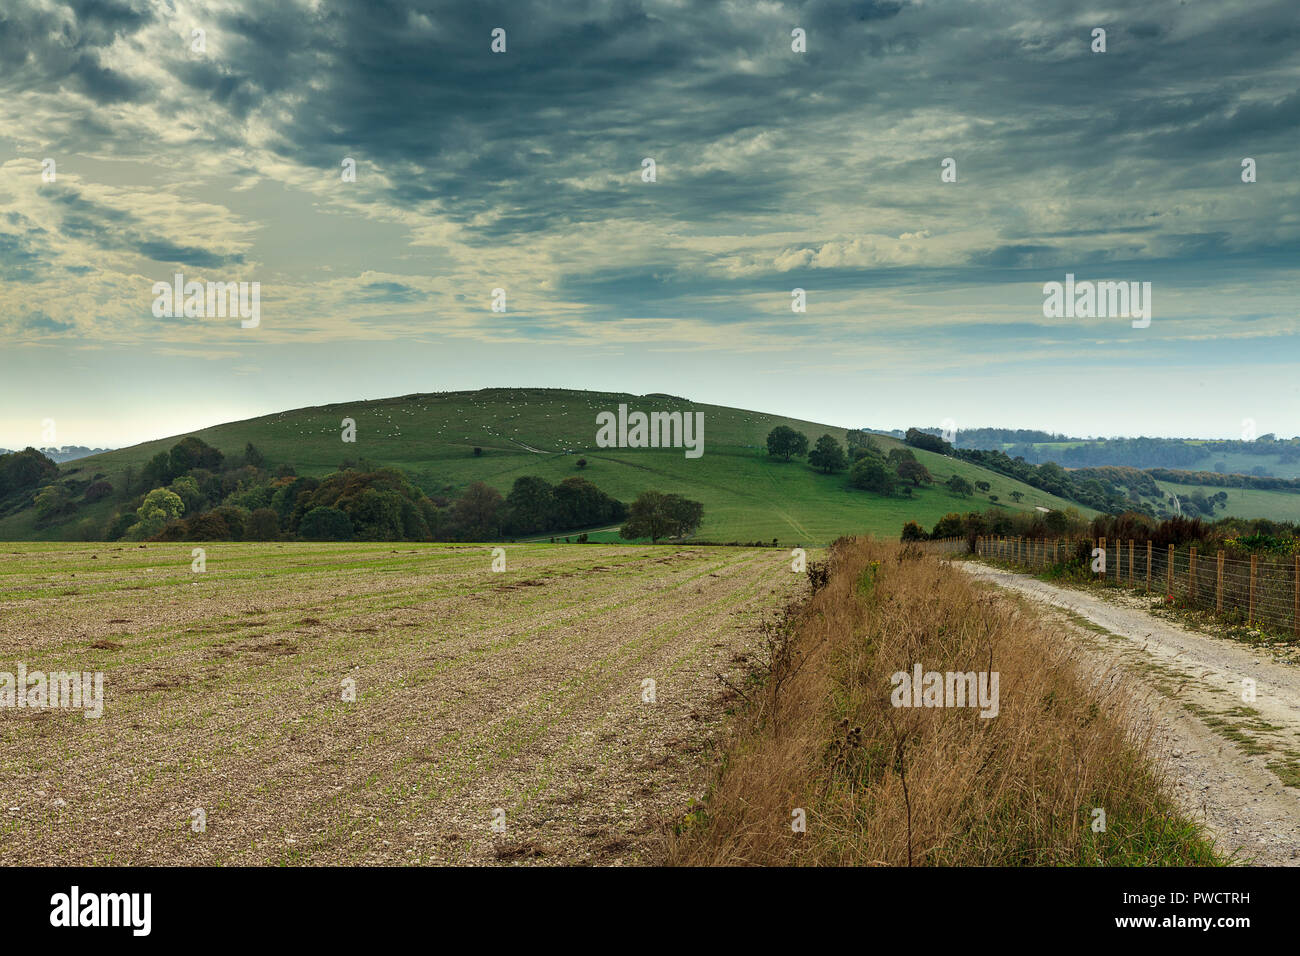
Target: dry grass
[[934, 786]]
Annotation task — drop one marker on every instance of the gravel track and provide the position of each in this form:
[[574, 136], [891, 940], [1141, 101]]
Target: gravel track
[[1229, 759]]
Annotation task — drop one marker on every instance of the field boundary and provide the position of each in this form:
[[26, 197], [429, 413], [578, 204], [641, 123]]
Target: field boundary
[[1261, 591]]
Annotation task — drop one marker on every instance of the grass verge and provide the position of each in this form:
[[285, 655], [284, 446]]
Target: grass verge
[[885, 785]]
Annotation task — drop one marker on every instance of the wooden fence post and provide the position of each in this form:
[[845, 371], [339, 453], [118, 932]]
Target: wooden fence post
[[1169, 575], [1191, 575], [1218, 587], [1254, 568], [1148, 567], [1295, 608], [1130, 562], [1101, 544]]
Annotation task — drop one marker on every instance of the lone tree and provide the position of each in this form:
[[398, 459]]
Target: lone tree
[[655, 515], [909, 469], [827, 455], [960, 486], [784, 442]]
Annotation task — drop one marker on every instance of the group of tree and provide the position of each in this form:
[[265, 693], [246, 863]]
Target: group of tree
[[21, 474], [999, 522], [870, 469], [656, 515], [193, 492], [1237, 537], [532, 507]]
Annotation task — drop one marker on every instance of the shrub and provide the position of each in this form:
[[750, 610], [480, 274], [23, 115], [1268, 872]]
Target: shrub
[[913, 532]]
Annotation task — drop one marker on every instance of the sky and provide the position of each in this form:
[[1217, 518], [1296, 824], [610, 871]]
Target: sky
[[139, 140]]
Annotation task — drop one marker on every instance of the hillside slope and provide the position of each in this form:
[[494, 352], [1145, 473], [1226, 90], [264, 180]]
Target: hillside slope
[[747, 496]]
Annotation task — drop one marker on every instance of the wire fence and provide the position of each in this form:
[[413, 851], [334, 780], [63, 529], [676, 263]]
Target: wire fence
[[943, 545], [1261, 591]]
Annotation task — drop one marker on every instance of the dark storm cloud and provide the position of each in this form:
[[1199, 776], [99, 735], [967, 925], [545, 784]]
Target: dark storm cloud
[[550, 135], [587, 89], [66, 46]]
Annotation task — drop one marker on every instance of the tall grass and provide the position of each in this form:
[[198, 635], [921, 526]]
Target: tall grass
[[935, 786]]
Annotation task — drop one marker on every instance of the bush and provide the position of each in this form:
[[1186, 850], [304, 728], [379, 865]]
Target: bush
[[913, 532], [949, 526]]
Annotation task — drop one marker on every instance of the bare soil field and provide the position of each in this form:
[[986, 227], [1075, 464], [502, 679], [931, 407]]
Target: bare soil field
[[475, 692]]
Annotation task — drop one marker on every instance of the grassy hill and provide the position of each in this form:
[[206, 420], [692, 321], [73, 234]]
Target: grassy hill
[[1245, 502], [747, 496]]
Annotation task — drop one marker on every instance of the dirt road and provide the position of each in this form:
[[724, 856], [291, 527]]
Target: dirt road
[[1235, 762]]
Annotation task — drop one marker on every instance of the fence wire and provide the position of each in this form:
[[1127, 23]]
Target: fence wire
[[1261, 591]]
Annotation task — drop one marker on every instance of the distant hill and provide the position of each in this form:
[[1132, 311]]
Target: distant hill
[[1264, 456], [66, 453], [432, 437]]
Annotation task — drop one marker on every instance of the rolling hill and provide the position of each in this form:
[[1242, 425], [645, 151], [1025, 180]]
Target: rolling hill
[[747, 496]]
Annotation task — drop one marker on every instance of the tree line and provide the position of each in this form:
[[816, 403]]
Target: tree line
[[194, 492]]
